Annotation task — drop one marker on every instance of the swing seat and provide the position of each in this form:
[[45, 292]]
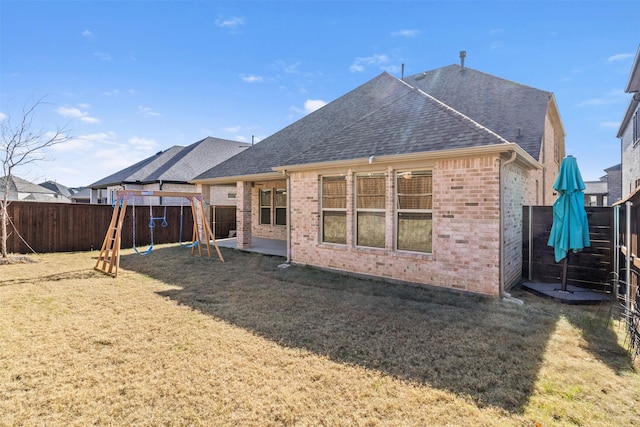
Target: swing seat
[[189, 245], [149, 249]]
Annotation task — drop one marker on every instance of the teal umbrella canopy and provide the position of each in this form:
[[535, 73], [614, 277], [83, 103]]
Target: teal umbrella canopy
[[570, 228]]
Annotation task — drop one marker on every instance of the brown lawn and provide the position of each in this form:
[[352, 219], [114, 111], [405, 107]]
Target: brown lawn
[[186, 341]]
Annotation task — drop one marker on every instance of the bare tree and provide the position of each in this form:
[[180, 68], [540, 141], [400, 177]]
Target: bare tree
[[22, 145]]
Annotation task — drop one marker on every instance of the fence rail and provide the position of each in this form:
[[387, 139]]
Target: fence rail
[[69, 227]]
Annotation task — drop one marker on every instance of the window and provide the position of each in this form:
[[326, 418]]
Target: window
[[334, 209], [414, 203], [232, 196], [370, 210], [265, 207], [277, 204], [280, 203]]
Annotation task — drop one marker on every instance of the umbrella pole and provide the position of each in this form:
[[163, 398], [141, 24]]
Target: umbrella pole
[[565, 269]]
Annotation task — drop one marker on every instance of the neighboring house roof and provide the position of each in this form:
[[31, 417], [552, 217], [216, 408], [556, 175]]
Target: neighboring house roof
[[596, 187], [633, 85], [56, 188], [512, 110], [176, 164], [385, 116], [19, 185], [614, 168], [80, 193]]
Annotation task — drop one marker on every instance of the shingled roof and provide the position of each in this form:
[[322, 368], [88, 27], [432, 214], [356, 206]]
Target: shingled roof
[[512, 110], [388, 116], [176, 164]]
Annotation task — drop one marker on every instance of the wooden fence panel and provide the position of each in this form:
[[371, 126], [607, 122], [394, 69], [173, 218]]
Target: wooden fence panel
[[588, 268], [69, 227]]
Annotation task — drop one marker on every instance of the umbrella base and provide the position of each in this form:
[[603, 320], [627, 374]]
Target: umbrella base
[[573, 294]]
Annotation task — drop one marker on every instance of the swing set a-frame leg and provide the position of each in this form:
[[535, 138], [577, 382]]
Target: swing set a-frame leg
[[109, 258]]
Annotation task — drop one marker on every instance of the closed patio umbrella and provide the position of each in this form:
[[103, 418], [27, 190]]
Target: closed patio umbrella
[[570, 229]]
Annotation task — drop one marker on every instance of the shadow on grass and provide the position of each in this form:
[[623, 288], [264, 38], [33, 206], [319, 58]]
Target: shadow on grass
[[483, 349]]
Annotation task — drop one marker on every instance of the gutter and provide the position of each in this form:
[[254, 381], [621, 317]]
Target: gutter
[[505, 296]]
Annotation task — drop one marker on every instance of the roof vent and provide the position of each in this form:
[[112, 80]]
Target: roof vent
[[463, 53]]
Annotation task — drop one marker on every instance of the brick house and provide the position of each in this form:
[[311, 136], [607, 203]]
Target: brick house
[[392, 181], [629, 133]]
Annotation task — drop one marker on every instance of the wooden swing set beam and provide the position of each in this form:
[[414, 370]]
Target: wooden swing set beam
[[127, 194]]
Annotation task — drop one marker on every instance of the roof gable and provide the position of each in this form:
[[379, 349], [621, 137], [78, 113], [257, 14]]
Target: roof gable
[[412, 123], [512, 110]]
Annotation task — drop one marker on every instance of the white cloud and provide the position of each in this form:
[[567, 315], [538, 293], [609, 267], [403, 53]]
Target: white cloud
[[147, 111], [619, 57], [251, 78], [103, 56], [232, 129], [610, 125], [361, 63], [87, 33], [496, 31], [405, 33], [311, 105], [611, 97], [85, 142], [287, 68], [2, 116], [143, 143], [232, 23], [76, 113]]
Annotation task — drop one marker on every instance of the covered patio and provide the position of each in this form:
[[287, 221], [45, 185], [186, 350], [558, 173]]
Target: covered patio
[[260, 245]]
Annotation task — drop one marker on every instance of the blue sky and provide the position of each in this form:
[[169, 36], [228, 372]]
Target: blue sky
[[131, 78]]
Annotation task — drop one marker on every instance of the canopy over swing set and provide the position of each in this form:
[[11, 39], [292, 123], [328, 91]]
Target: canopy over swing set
[[109, 258]]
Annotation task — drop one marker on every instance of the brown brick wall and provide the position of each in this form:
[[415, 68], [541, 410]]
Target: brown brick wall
[[465, 222]]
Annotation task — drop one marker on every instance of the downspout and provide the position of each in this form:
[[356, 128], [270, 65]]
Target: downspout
[[505, 296]]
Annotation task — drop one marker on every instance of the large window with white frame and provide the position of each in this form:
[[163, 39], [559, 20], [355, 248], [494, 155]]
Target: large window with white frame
[[334, 209], [414, 204], [370, 210]]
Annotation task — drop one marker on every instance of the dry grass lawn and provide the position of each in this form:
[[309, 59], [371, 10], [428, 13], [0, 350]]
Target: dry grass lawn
[[186, 341]]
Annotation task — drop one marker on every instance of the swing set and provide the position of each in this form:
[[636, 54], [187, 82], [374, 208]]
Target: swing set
[[109, 258]]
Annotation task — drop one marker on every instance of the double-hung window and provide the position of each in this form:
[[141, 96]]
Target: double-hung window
[[370, 210], [265, 207], [414, 204], [280, 203], [334, 209], [273, 201]]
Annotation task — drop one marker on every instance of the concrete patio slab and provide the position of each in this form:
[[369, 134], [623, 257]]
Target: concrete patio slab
[[573, 294], [258, 245]]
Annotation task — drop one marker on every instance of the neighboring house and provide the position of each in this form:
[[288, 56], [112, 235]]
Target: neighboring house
[[23, 190], [62, 193], [629, 133], [394, 181], [170, 170], [605, 191], [80, 195]]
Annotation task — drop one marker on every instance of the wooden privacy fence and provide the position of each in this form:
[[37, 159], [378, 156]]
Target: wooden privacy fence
[[67, 227], [589, 268]]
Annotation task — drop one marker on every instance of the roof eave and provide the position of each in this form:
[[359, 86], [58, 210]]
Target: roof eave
[[633, 105], [233, 179], [633, 85], [524, 158]]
